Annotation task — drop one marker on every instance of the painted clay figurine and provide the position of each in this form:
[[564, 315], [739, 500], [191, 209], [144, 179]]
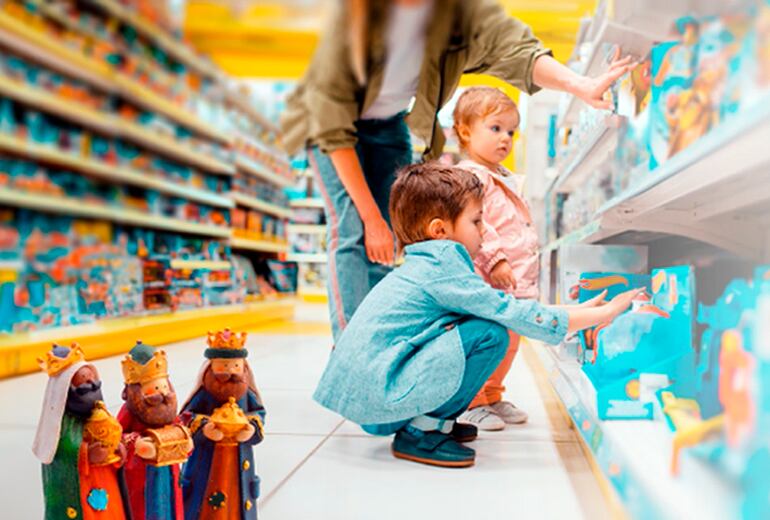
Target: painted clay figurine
[[225, 414], [78, 442], [155, 440]]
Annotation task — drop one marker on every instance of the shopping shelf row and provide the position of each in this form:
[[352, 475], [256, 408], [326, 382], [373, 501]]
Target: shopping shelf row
[[711, 191], [77, 208]]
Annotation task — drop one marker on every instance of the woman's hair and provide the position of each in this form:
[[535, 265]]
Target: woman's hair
[[477, 103], [426, 191]]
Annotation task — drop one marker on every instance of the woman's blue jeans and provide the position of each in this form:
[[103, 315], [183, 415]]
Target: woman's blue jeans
[[383, 148]]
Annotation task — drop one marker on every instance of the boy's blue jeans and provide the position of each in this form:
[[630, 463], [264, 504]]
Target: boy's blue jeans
[[485, 344], [383, 148]]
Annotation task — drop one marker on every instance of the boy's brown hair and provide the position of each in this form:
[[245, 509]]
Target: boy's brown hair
[[476, 103], [426, 191]]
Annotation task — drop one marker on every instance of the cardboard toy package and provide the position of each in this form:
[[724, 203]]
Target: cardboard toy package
[[641, 350]]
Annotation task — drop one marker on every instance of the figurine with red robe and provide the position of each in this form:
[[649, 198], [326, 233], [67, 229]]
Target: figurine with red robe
[[155, 440]]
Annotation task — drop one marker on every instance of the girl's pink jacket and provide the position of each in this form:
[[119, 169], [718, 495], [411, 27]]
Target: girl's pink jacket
[[508, 232]]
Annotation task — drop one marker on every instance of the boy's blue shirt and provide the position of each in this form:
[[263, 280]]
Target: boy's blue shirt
[[396, 359]]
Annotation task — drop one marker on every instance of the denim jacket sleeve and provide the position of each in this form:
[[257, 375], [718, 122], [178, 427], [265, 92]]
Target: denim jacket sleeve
[[461, 291]]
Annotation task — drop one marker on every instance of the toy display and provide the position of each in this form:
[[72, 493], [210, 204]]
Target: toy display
[[681, 90], [156, 442], [226, 416], [78, 442]]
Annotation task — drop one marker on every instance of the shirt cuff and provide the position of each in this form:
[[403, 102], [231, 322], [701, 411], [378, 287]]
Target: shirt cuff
[[530, 84]]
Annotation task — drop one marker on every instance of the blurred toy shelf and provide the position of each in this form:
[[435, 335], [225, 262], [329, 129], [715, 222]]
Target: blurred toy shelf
[[636, 455], [307, 203], [18, 352], [703, 192], [253, 168], [101, 76], [176, 49], [71, 206], [597, 146], [260, 205], [264, 246], [313, 258], [311, 229], [107, 172]]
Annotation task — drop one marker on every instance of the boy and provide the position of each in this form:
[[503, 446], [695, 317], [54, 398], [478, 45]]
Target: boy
[[427, 337]]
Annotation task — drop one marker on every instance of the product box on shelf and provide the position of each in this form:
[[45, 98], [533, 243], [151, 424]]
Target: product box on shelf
[[646, 349]]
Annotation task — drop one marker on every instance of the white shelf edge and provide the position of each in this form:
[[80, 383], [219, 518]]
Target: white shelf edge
[[307, 203], [260, 205], [308, 229], [310, 258], [212, 265], [253, 168]]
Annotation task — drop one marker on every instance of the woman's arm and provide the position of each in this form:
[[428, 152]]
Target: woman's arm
[[378, 238], [549, 73]]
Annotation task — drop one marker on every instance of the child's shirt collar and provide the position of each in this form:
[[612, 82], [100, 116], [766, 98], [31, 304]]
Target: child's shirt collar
[[439, 249]]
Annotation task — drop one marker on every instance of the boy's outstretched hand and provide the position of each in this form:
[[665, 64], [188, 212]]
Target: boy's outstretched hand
[[621, 302], [596, 301]]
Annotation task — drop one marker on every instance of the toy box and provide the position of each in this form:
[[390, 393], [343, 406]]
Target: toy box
[[640, 352]]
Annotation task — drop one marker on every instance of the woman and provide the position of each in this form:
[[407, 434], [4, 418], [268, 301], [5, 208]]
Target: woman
[[378, 59]]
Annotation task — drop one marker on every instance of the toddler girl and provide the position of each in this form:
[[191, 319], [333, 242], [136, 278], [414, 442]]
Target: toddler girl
[[485, 120]]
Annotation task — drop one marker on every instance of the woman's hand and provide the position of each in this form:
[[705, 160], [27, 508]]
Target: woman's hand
[[593, 90], [378, 240], [502, 277]]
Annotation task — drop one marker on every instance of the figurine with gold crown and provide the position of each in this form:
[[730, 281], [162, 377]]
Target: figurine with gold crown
[[225, 415], [78, 442], [156, 442]]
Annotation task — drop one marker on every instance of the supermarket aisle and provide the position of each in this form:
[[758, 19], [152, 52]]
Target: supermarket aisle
[[314, 465]]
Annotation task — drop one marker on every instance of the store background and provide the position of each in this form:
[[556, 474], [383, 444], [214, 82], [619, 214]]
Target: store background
[[144, 194]]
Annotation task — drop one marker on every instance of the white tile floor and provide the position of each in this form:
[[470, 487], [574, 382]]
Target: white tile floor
[[314, 465]]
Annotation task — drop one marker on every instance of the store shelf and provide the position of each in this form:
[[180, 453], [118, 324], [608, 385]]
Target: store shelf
[[254, 168], [38, 45], [178, 50], [108, 124], [241, 102], [210, 265], [78, 208], [714, 191], [307, 203], [597, 149], [260, 205], [320, 258], [263, 246], [110, 337], [308, 229], [110, 173], [635, 455]]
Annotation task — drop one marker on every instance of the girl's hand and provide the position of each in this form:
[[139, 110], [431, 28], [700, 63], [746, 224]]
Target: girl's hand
[[620, 303], [502, 276], [378, 240], [596, 301]]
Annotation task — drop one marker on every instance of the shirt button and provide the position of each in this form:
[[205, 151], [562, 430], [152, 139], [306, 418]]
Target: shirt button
[[554, 323], [539, 319]]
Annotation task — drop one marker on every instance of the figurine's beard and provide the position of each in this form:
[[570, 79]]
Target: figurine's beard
[[81, 399], [153, 410], [223, 387]]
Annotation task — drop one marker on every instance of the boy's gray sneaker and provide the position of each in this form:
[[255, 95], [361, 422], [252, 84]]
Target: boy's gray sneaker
[[509, 413], [483, 418]]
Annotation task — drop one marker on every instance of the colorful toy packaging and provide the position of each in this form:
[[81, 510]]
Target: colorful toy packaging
[[640, 351]]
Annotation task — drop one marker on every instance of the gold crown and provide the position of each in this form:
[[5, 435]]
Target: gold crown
[[155, 368], [54, 365], [226, 339]]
